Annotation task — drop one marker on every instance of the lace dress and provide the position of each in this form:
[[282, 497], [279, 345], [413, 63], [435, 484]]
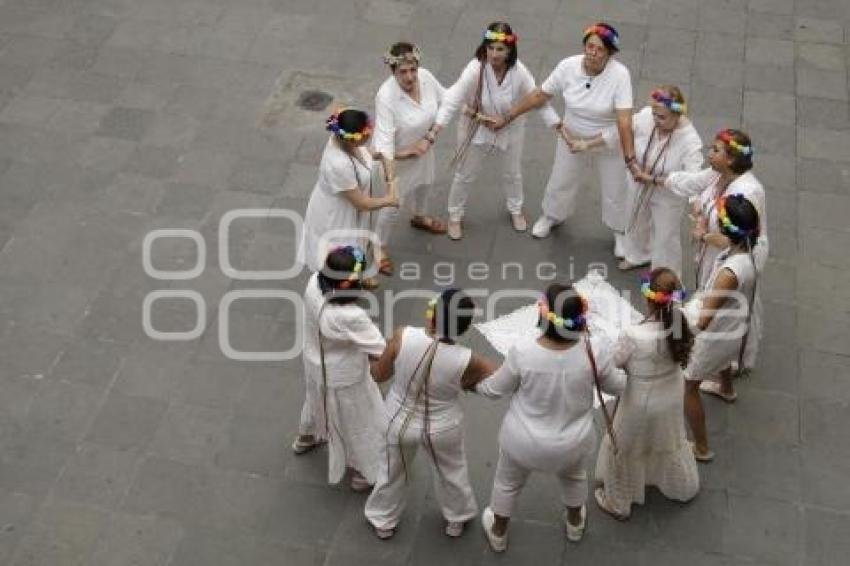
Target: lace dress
[[649, 425]]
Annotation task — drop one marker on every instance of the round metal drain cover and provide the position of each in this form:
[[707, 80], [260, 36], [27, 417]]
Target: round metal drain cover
[[314, 100]]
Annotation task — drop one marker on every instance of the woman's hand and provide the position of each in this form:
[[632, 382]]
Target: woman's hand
[[493, 123], [641, 176], [700, 228], [417, 149]]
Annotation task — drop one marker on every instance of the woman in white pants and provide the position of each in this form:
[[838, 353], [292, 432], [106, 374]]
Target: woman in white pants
[[489, 85], [665, 141], [342, 404], [549, 423], [597, 91], [423, 410], [405, 109]]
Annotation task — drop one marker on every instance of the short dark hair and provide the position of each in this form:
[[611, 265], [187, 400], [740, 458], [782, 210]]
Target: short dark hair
[[504, 27], [565, 302], [339, 265], [453, 313], [352, 120], [744, 215]]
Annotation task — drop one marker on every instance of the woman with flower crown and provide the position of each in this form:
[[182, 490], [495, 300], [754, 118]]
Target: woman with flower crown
[[726, 324], [341, 202], [423, 410], [405, 108], [665, 141], [548, 427], [731, 159], [343, 405], [651, 445], [493, 81]]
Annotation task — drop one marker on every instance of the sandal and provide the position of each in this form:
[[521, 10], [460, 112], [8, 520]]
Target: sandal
[[302, 447], [713, 388], [386, 267], [432, 225], [602, 502]]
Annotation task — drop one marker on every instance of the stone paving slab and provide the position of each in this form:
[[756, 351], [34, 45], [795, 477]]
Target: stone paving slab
[[120, 117]]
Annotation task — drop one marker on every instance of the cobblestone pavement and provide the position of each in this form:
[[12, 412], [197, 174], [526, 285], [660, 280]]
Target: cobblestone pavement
[[120, 117]]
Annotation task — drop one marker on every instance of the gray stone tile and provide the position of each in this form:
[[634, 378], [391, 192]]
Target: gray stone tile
[[822, 479], [167, 129], [152, 161], [141, 540], [92, 363], [723, 15], [258, 445], [677, 522], [821, 421], [126, 422], [217, 548], [764, 51], [64, 534], [823, 210], [821, 56], [819, 330], [825, 246], [667, 69], [106, 154], [769, 107], [712, 46], [822, 376], [764, 529], [204, 167], [16, 395], [770, 418], [31, 461], [664, 40], [16, 514], [170, 489], [190, 434], [823, 176], [712, 101], [827, 536], [776, 466], [262, 176], [209, 384], [823, 144], [64, 409], [821, 84], [721, 74], [184, 201], [818, 30], [126, 123], [782, 7], [774, 26], [822, 113], [771, 138], [97, 475]]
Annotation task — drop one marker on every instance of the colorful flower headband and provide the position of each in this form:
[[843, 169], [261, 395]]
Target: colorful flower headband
[[660, 297], [723, 216], [576, 323], [662, 97], [431, 310], [332, 125], [359, 260], [605, 33], [727, 137], [509, 38], [409, 57]]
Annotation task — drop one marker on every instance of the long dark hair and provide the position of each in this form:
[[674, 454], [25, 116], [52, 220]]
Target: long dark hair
[[744, 219], [565, 303], [504, 27], [335, 280], [453, 314], [680, 340]]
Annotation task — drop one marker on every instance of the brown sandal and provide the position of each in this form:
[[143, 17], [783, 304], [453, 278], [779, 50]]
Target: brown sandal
[[386, 267], [432, 225]]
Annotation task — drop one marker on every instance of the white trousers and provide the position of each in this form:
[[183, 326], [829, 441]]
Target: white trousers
[[468, 170], [568, 172], [451, 482], [312, 418], [411, 197], [511, 475], [656, 234]]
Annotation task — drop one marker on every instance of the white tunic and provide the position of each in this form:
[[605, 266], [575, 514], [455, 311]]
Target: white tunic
[[703, 185], [496, 100], [649, 425], [400, 122], [719, 346], [682, 153], [329, 210], [352, 400], [589, 111], [444, 386], [551, 408]]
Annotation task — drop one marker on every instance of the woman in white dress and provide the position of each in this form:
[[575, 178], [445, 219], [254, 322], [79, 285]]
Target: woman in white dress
[[731, 160], [423, 410], [405, 109], [665, 141], [549, 427], [651, 444], [489, 85], [597, 91], [341, 203], [727, 321], [343, 405]]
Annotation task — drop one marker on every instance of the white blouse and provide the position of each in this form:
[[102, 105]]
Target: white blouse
[[496, 100]]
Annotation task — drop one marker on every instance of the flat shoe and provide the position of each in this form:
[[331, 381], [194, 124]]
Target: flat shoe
[[519, 222], [704, 457], [626, 265], [713, 388], [455, 230], [602, 502]]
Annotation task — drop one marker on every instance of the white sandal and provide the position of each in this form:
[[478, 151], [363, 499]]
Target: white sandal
[[713, 388]]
